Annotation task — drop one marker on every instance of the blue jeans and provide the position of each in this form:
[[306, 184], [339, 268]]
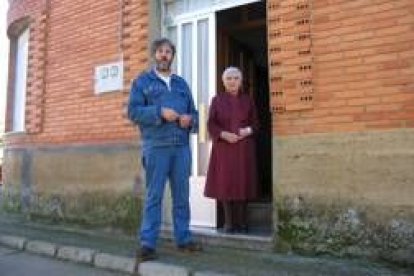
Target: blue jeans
[[162, 163]]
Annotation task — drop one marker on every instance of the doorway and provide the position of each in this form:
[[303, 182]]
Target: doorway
[[242, 42], [219, 34]]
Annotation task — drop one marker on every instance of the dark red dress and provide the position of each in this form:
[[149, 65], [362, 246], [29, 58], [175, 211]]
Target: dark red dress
[[232, 170]]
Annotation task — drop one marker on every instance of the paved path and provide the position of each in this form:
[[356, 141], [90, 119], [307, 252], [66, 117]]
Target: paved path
[[18, 263]]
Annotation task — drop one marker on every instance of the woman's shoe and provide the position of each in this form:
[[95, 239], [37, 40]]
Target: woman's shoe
[[243, 229], [229, 230], [226, 229]]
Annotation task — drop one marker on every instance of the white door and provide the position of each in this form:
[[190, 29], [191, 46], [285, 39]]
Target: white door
[[195, 38]]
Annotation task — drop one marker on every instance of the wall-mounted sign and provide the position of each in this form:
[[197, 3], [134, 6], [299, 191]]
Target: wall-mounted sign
[[109, 77]]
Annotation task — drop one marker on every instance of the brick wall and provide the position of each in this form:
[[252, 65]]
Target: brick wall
[[335, 66], [68, 39], [21, 8], [339, 65]]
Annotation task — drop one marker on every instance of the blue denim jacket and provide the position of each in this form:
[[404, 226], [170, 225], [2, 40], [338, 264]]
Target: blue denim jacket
[[148, 95]]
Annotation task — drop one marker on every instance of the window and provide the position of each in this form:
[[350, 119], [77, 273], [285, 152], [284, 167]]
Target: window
[[20, 80]]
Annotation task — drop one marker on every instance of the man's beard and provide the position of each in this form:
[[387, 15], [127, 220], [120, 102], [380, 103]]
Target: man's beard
[[163, 65]]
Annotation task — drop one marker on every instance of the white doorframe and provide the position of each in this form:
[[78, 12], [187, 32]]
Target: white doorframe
[[216, 6]]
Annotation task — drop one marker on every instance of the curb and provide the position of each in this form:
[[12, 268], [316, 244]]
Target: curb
[[157, 268], [98, 259], [113, 262], [79, 255], [211, 273], [42, 248], [13, 242]]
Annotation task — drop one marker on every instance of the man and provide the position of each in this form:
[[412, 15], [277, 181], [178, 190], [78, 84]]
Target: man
[[162, 106]]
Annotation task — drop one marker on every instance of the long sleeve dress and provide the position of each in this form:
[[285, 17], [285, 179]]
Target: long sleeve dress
[[232, 169]]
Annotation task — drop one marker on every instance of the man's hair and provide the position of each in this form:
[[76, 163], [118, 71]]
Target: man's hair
[[162, 41]]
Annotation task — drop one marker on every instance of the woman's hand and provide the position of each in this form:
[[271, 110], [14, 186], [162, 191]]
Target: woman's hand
[[245, 131], [230, 137]]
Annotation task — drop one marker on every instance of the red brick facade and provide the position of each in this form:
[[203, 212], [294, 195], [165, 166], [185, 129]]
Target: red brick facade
[[67, 41], [335, 66], [339, 66]]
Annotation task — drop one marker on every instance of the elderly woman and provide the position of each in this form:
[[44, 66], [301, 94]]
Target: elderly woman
[[231, 177]]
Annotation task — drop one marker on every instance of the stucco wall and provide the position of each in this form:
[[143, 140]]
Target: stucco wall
[[99, 185], [331, 186]]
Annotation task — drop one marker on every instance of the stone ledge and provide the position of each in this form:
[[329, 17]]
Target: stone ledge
[[113, 262], [210, 273], [156, 269], [13, 242], [43, 248], [76, 254], [215, 238]]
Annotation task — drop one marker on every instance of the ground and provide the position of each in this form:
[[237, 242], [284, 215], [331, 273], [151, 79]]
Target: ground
[[214, 258]]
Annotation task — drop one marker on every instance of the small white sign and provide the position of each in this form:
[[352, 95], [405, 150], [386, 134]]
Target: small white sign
[[109, 77]]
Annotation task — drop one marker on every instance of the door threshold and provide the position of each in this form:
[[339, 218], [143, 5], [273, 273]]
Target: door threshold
[[257, 240]]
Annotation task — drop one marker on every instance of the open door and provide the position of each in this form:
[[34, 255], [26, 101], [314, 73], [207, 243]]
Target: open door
[[195, 62], [211, 35], [242, 42]]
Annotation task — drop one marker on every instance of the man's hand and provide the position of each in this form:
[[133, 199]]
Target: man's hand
[[169, 114], [185, 121], [230, 137]]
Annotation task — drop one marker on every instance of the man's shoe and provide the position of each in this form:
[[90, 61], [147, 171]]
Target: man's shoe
[[190, 247], [146, 254]]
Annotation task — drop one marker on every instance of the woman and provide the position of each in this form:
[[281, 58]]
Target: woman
[[231, 176]]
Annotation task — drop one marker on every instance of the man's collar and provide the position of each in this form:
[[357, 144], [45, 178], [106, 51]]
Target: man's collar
[[154, 75]]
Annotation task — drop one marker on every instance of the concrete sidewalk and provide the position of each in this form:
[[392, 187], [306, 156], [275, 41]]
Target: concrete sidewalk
[[115, 251]]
